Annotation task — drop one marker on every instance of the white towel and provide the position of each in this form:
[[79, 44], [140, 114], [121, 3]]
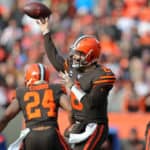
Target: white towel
[[16, 144], [77, 138]]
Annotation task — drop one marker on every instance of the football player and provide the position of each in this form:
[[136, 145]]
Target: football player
[[39, 101], [89, 84]]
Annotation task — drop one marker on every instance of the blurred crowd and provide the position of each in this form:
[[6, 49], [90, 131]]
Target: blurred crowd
[[122, 26]]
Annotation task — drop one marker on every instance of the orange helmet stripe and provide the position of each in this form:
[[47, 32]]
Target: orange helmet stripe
[[42, 74]]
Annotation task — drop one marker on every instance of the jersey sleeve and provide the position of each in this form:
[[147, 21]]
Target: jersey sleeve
[[107, 78], [59, 63], [100, 87]]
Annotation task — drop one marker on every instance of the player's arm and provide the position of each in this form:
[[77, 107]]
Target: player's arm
[[55, 58], [11, 111], [65, 104]]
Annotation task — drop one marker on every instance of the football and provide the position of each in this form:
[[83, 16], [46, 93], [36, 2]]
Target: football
[[36, 10]]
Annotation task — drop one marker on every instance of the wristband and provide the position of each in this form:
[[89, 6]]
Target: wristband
[[77, 92]]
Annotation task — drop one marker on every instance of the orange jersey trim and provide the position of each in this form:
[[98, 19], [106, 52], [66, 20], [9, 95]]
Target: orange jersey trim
[[107, 77], [98, 129], [38, 87], [104, 81], [62, 141], [99, 137]]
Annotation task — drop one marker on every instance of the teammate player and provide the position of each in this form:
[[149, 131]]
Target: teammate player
[[89, 85], [39, 102]]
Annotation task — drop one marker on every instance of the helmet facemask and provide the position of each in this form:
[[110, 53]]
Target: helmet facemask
[[80, 60]]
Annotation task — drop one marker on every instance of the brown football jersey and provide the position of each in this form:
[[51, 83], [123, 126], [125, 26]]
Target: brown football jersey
[[40, 103]]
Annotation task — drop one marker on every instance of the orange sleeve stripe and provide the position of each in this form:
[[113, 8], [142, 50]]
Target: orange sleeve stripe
[[104, 81], [104, 77], [108, 84]]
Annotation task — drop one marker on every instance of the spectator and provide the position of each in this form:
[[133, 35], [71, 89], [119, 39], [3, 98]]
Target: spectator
[[145, 103], [133, 142], [131, 102]]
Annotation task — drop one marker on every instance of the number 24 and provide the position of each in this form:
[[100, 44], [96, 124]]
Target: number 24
[[47, 102]]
